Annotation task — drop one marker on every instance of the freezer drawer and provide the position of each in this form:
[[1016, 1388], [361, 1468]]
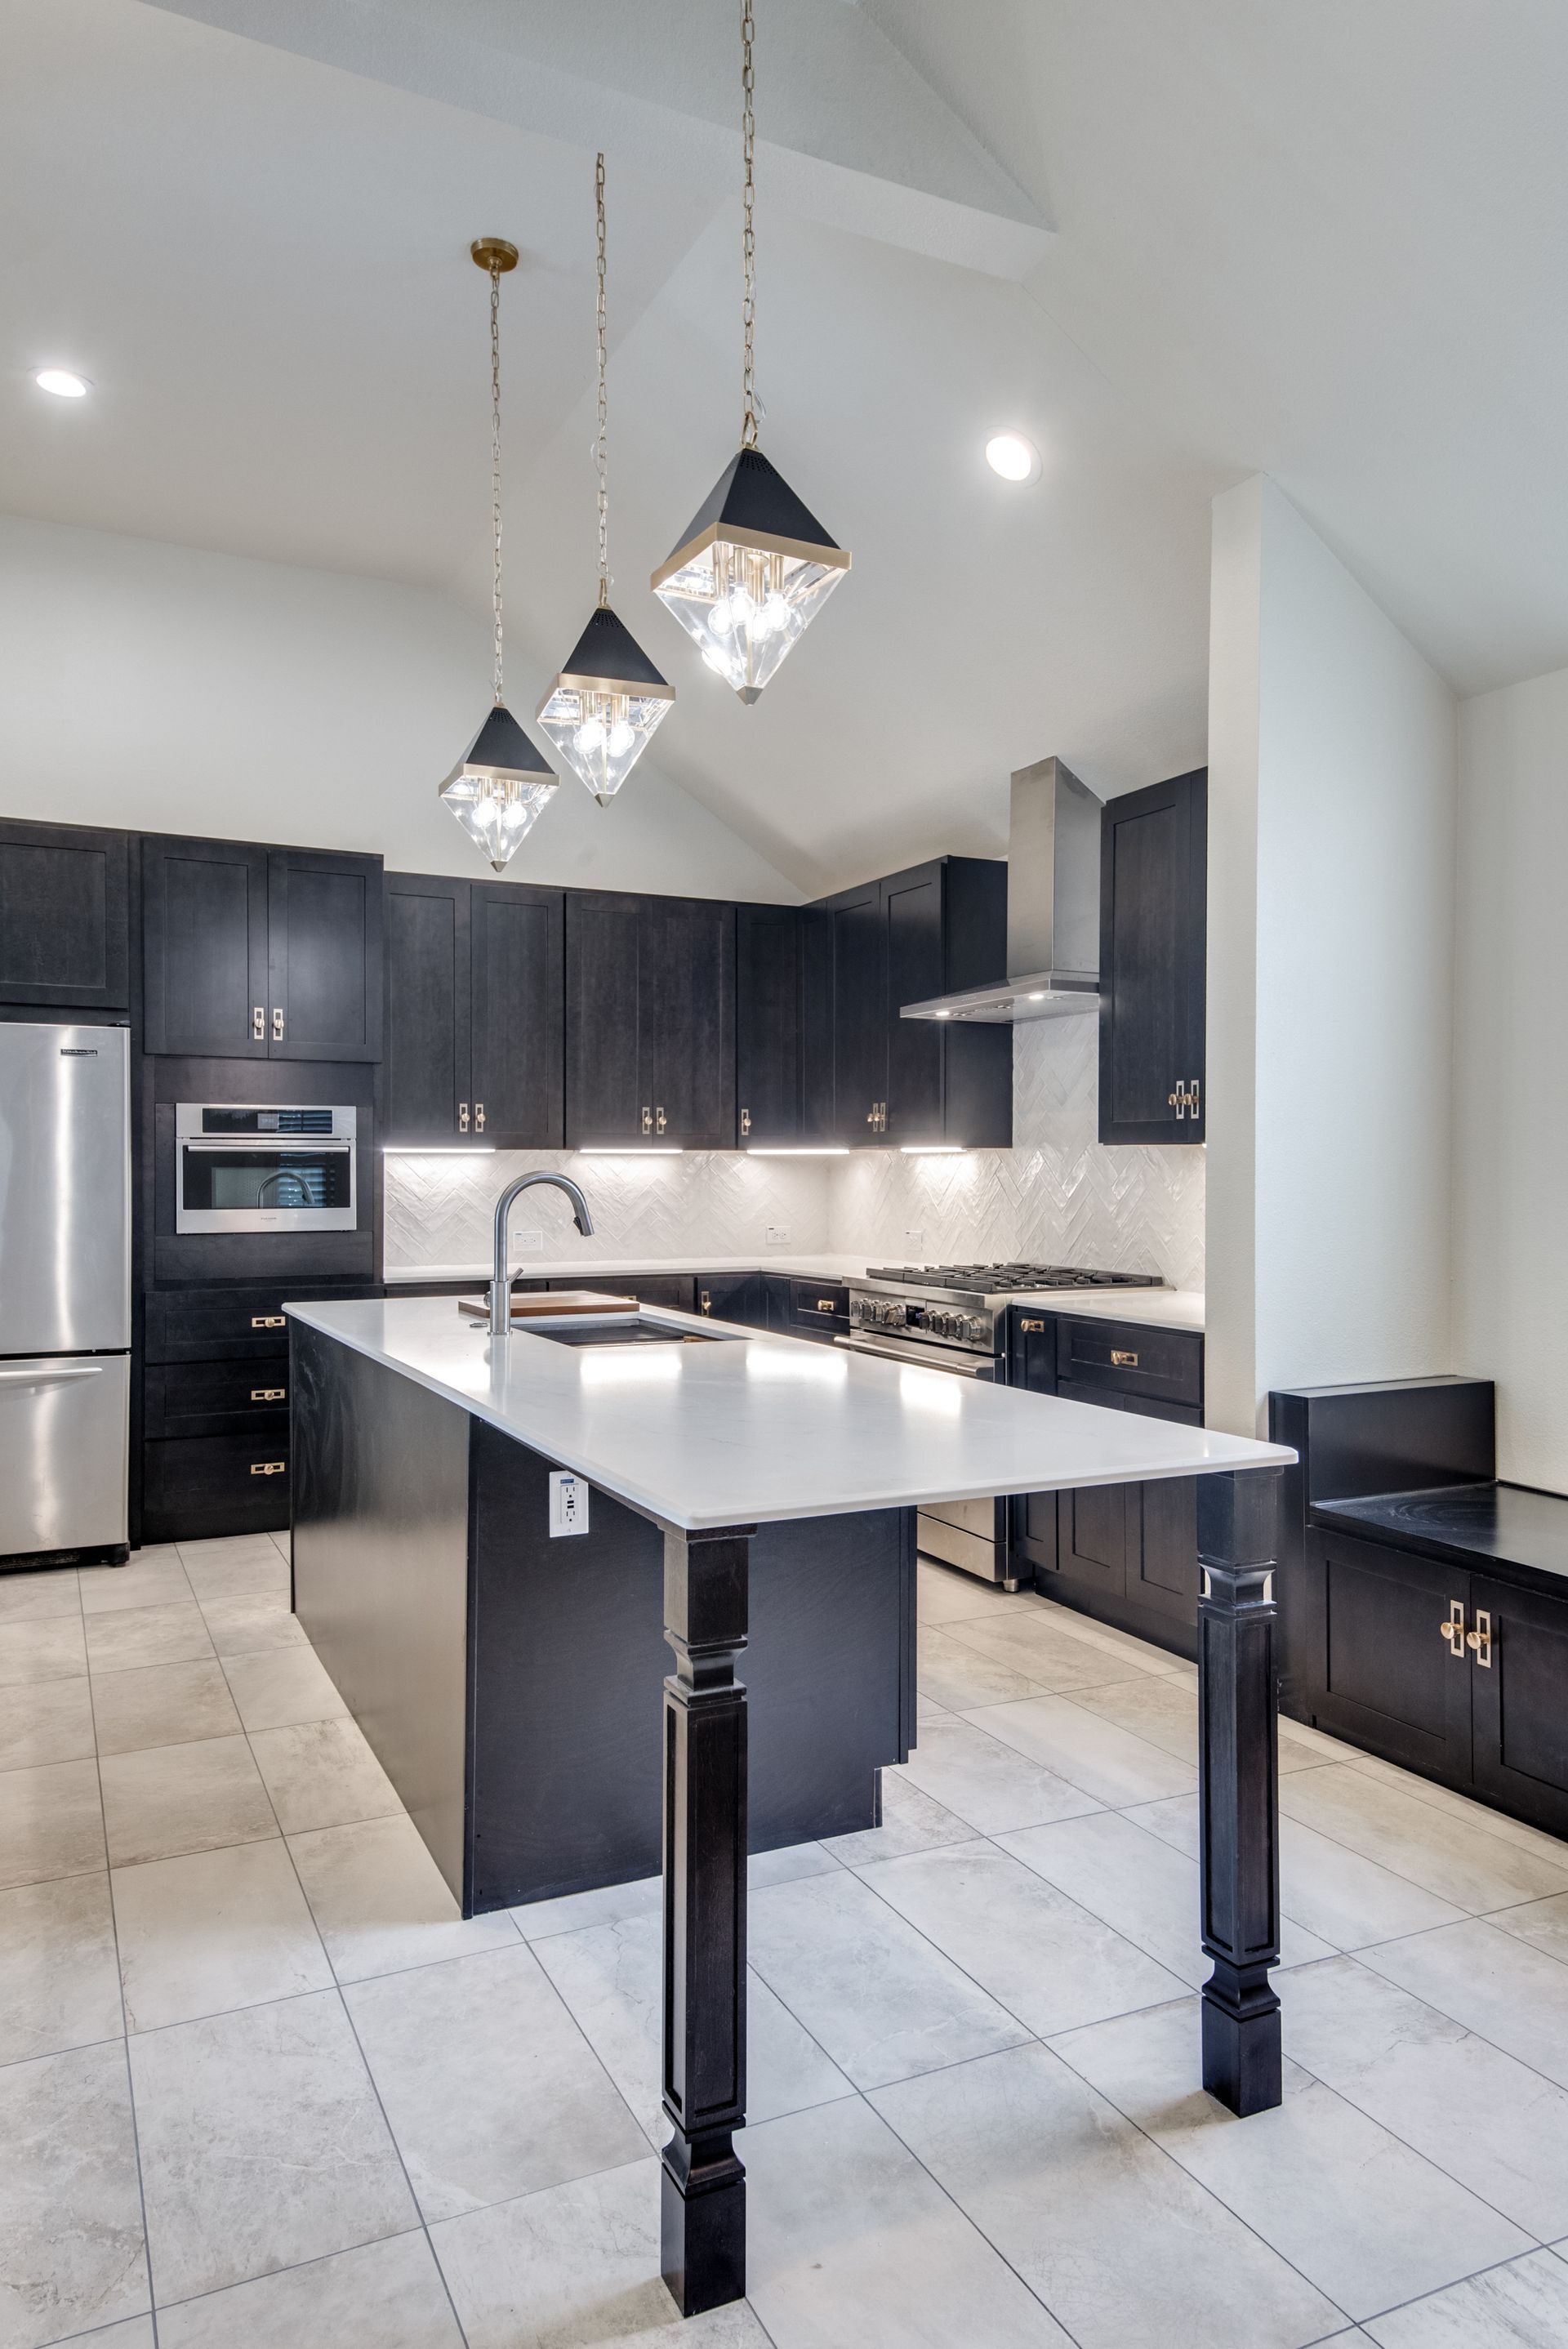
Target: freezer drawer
[[64, 1434]]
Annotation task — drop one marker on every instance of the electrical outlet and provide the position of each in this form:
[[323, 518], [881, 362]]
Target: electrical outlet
[[529, 1239], [568, 1502], [915, 1240], [778, 1235]]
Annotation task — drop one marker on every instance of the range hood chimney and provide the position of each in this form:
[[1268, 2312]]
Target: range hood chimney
[[1053, 907]]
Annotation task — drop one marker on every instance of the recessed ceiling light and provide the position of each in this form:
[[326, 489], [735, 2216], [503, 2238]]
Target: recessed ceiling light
[[1014, 457], [62, 383]]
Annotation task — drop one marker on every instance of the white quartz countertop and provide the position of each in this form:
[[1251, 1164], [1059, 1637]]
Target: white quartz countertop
[[754, 1428], [1160, 1308]]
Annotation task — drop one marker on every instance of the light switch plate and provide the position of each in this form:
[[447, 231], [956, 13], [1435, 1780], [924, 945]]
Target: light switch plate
[[529, 1239], [778, 1235], [915, 1240], [568, 1502]]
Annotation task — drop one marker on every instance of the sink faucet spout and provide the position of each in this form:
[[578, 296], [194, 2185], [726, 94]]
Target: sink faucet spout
[[500, 1283]]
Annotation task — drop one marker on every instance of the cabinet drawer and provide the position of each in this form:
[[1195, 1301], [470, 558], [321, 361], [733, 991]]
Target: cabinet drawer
[[217, 1398], [674, 1290], [241, 1324], [818, 1307], [197, 1487], [1164, 1365]]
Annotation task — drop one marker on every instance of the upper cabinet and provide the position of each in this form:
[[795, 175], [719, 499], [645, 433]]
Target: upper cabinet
[[934, 930], [64, 918], [650, 1022], [257, 953], [784, 1025], [473, 1013], [1153, 879]]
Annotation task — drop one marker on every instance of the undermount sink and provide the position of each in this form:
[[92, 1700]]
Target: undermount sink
[[621, 1329]]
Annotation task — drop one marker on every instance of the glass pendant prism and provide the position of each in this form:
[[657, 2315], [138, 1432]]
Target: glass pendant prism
[[499, 787], [751, 574], [602, 708]]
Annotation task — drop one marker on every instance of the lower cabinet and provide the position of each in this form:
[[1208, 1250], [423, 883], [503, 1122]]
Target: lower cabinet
[[195, 1488], [1445, 1670], [734, 1297]]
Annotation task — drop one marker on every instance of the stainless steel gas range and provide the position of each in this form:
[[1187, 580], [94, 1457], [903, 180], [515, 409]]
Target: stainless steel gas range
[[953, 1316]]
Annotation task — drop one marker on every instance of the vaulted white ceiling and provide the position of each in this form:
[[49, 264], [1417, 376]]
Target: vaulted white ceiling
[[1172, 243]]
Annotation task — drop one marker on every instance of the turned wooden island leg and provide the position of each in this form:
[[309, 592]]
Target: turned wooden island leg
[[703, 2217], [1238, 1785]]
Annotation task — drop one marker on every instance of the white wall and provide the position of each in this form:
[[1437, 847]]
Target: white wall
[[1510, 1068], [162, 690], [1332, 758]]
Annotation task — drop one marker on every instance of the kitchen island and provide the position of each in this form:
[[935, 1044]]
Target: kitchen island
[[776, 1483]]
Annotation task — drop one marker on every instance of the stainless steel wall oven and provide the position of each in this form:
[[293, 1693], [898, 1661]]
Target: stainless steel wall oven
[[258, 1167]]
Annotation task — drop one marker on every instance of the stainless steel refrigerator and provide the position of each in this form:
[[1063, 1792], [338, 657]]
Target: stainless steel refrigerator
[[65, 1288]]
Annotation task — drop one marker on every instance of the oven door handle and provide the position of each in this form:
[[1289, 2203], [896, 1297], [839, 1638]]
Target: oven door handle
[[291, 1144], [922, 1358]]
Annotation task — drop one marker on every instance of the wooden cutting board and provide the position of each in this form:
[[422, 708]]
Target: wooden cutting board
[[532, 1303]]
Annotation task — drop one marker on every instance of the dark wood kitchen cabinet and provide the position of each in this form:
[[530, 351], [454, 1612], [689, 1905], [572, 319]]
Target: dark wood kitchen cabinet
[[64, 939], [1153, 883], [783, 1026], [474, 1013], [650, 1022], [936, 929], [256, 953]]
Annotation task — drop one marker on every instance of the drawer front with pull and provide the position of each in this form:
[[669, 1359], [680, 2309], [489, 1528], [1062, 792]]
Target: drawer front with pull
[[1164, 1365], [196, 1487], [819, 1307], [217, 1398], [243, 1324]]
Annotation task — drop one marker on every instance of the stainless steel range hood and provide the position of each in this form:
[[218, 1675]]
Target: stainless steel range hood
[[1053, 908]]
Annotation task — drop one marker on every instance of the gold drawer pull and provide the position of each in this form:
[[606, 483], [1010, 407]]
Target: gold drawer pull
[[268, 1467], [1480, 1639], [1121, 1361], [1027, 1326], [269, 1322], [1453, 1628], [826, 1305], [268, 1394]]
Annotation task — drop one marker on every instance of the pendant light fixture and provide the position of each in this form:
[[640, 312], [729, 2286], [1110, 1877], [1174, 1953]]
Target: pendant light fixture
[[755, 567], [602, 708], [500, 786]]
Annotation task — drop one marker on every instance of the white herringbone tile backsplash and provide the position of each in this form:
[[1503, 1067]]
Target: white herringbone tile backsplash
[[1055, 1197]]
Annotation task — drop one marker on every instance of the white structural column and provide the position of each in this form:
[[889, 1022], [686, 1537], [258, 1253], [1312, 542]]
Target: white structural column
[[1332, 759]]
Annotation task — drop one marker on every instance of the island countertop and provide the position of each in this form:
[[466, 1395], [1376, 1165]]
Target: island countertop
[[752, 1429]]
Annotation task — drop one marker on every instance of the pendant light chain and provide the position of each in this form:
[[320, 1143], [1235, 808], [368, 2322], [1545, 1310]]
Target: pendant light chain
[[495, 462], [749, 237], [600, 450]]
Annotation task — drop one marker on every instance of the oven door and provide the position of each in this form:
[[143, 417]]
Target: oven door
[[259, 1183], [970, 1535]]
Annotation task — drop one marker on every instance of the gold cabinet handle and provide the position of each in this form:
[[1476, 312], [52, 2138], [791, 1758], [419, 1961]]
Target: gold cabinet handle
[[479, 1117], [462, 1117], [1453, 1628], [1479, 1639], [259, 1022], [746, 1121], [268, 1320], [1122, 1361], [706, 1301], [277, 1025], [268, 1467], [826, 1305], [647, 1120], [660, 1120], [268, 1394], [1027, 1327]]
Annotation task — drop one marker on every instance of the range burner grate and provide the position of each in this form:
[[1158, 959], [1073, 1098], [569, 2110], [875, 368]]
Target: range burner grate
[[995, 1278]]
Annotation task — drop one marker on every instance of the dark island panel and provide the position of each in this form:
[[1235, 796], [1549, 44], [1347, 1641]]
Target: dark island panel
[[380, 1569]]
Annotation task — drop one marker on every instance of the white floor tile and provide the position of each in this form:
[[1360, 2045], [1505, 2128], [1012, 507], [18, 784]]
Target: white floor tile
[[960, 1676], [145, 1582], [172, 1798], [59, 1985], [45, 1721], [48, 1648], [536, 1918], [1524, 2305], [1121, 2244], [29, 1592], [1364, 2217], [1452, 1857], [322, 1773], [491, 2088], [163, 1704], [126, 1637], [382, 1904], [385, 2295], [1110, 1763], [71, 2249], [912, 1821], [51, 1822], [252, 1625], [213, 1930], [985, 1782], [263, 2145], [249, 1577], [281, 1686], [1047, 1645], [1511, 1994]]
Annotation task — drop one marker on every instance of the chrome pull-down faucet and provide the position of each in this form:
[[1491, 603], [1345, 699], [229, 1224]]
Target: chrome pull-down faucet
[[500, 1283]]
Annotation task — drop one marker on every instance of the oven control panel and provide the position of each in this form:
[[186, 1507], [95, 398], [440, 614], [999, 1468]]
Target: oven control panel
[[914, 1317]]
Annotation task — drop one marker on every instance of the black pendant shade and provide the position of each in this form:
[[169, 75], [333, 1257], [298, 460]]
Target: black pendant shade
[[751, 504], [502, 748], [499, 787], [608, 654], [605, 705]]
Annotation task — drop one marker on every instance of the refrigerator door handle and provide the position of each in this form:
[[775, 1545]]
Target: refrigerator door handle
[[51, 1378]]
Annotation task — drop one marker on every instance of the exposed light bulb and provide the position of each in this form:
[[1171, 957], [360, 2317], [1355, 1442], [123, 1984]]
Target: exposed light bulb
[[621, 738], [1013, 456], [590, 735], [721, 619], [62, 383]]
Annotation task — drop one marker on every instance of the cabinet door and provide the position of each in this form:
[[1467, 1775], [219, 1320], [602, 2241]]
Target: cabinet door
[[686, 1021], [1153, 943], [769, 1023], [734, 1297], [604, 1106], [817, 1114], [1519, 1718], [1162, 1570], [204, 944], [859, 1014], [1031, 1351], [64, 939], [516, 956], [426, 1068], [323, 1002], [912, 925], [1389, 1681], [1095, 1522]]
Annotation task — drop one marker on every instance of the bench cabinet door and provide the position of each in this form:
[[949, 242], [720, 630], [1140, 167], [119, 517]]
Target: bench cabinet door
[[1518, 1694], [1390, 1678]]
